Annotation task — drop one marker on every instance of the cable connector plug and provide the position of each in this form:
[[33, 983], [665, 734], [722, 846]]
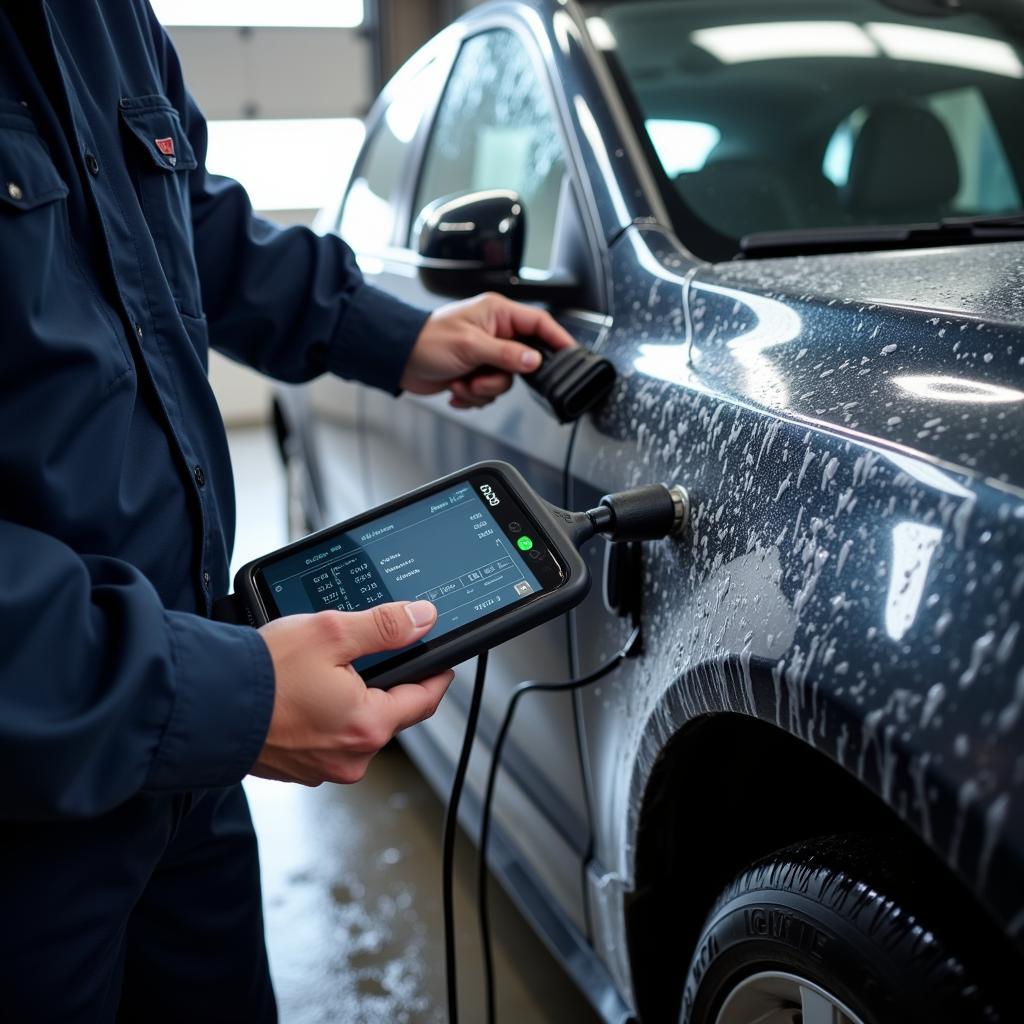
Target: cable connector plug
[[650, 512]]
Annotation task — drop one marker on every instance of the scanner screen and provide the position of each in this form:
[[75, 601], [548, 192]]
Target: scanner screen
[[467, 549]]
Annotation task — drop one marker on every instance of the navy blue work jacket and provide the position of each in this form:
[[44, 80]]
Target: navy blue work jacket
[[121, 262]]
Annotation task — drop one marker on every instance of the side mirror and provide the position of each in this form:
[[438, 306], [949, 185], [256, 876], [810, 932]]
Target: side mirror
[[473, 242]]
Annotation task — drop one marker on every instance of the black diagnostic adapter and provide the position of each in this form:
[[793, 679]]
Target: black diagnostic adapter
[[494, 557], [570, 381]]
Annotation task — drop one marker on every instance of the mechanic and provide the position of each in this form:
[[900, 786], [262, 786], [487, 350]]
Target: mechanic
[[129, 877]]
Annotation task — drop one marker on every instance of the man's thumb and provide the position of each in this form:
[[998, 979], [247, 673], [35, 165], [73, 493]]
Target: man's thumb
[[385, 627]]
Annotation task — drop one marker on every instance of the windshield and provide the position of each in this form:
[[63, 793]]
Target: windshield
[[789, 115]]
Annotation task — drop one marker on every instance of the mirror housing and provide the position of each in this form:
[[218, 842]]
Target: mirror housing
[[473, 242]]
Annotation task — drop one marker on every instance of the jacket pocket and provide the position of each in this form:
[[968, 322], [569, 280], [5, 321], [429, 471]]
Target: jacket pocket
[[28, 178], [58, 332], [163, 158]]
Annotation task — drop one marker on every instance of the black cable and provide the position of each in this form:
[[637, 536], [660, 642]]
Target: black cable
[[451, 827], [483, 914]]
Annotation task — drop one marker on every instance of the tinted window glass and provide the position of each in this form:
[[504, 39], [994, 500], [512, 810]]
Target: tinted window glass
[[783, 115], [986, 178], [495, 129], [368, 217]]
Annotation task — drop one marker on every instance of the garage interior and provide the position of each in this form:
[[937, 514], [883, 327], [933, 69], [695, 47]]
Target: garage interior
[[670, 377]]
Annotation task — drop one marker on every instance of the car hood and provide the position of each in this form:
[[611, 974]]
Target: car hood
[[920, 350]]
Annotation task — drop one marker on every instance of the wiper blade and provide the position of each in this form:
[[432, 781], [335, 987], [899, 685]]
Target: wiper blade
[[989, 220], [951, 231]]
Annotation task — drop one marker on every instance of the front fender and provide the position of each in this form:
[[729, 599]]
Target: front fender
[[864, 601]]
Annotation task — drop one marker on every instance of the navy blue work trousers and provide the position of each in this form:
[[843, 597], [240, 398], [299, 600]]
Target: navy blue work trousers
[[149, 913]]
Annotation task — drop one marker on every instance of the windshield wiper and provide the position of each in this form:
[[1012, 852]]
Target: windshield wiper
[[950, 231], [989, 220]]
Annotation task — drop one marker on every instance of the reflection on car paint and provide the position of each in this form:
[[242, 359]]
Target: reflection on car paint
[[855, 569]]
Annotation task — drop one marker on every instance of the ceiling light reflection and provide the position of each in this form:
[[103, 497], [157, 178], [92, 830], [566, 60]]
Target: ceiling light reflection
[[592, 133], [668, 363], [681, 145], [929, 475], [774, 40], [777, 324], [938, 388], [601, 33], [953, 49], [770, 40], [404, 114]]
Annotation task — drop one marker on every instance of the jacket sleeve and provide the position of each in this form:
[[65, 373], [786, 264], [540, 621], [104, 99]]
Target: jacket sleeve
[[105, 694], [286, 301]]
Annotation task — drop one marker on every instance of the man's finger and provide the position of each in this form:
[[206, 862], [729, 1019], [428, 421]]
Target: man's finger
[[385, 627], [461, 390], [410, 703], [528, 320], [489, 385]]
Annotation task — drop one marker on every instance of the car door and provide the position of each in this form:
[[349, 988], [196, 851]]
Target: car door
[[495, 126]]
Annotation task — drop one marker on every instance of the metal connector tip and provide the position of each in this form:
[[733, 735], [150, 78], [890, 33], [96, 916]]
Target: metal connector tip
[[681, 509]]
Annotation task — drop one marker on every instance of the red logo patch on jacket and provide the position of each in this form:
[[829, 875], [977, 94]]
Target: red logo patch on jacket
[[166, 146]]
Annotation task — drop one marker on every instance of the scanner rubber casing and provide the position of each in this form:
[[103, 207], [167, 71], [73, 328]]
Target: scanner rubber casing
[[520, 617]]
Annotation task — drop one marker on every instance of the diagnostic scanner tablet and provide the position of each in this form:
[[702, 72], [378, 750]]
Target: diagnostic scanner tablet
[[481, 545]]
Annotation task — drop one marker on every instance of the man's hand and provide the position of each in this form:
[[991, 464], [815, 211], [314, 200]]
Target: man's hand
[[464, 337], [327, 723]]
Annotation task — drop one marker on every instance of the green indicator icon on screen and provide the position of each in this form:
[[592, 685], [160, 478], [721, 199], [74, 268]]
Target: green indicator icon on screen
[[524, 543]]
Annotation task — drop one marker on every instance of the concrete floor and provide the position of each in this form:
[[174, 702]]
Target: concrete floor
[[351, 874]]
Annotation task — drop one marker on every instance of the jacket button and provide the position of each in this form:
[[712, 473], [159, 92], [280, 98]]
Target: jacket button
[[206, 579], [92, 165], [14, 190], [199, 475]]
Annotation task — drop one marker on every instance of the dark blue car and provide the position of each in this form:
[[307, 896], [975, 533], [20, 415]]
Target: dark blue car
[[795, 227]]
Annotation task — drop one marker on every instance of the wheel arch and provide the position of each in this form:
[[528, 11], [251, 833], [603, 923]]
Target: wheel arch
[[762, 789]]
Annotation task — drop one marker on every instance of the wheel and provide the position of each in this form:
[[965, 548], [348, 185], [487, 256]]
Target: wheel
[[828, 932]]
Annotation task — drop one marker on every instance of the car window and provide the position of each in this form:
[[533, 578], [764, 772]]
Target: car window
[[495, 128], [986, 183], [789, 115], [368, 217]]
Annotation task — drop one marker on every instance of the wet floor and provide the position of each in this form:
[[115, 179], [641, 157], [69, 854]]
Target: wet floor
[[352, 874]]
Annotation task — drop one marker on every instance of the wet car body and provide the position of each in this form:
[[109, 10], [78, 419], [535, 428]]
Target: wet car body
[[835, 645]]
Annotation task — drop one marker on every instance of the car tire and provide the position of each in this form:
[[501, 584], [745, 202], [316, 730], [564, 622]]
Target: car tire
[[828, 932]]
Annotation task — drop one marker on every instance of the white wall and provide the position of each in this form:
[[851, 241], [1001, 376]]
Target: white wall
[[240, 73]]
